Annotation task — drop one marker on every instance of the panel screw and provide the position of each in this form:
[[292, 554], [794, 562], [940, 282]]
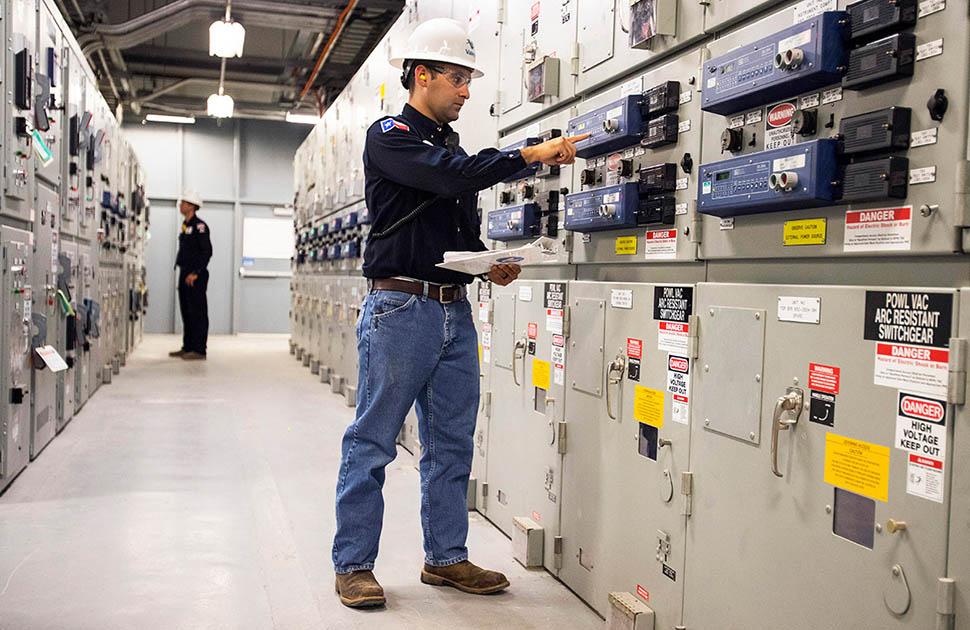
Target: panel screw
[[828, 509], [795, 381], [757, 315], [896, 571], [711, 312], [707, 368], [707, 422], [879, 527], [751, 435], [757, 378]]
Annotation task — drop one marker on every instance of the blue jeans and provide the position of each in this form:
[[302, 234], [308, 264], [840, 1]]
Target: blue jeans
[[411, 349]]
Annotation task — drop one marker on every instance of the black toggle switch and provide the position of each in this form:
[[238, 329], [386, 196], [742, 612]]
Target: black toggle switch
[[938, 104]]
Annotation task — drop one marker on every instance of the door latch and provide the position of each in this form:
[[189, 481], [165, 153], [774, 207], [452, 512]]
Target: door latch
[[791, 403], [614, 377]]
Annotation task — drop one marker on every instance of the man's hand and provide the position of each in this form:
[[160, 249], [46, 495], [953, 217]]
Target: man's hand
[[555, 152], [503, 275], [191, 278]]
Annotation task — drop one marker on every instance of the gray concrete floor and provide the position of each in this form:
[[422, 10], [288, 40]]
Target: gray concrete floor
[[200, 495]]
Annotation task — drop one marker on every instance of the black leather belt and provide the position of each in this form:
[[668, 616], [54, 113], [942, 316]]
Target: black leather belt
[[444, 293]]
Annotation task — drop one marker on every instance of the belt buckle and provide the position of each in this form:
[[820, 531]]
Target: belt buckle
[[453, 289]]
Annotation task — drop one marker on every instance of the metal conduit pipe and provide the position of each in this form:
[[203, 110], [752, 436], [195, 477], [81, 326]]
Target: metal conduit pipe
[[171, 16]]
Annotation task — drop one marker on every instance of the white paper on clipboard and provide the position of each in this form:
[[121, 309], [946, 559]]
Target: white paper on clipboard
[[474, 263]]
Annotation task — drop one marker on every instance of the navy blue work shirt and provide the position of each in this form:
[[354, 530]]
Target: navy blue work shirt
[[406, 163]]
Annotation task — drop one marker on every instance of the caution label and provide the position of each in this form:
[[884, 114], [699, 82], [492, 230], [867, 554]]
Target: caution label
[[920, 319], [541, 373], [857, 466], [626, 245], [486, 347], [824, 378], [921, 425], [878, 230], [673, 304], [925, 370], [648, 406], [804, 232]]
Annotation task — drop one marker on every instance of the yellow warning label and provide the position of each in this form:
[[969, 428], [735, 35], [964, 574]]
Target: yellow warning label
[[648, 406], [380, 91], [805, 232], [479, 354], [857, 466], [540, 373], [626, 245]]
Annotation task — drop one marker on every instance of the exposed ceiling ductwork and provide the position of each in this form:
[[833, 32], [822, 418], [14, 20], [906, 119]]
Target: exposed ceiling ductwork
[[299, 54]]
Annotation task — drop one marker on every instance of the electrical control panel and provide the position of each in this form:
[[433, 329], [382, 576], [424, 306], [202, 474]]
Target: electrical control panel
[[514, 222], [661, 158], [530, 204], [20, 53], [616, 125], [810, 54], [16, 319], [604, 208], [804, 175], [892, 115]]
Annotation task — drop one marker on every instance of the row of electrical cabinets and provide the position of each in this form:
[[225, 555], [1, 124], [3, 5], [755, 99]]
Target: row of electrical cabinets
[[680, 454], [799, 135], [73, 218], [323, 317], [335, 242]]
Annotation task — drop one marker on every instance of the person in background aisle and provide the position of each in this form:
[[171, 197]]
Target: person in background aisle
[[415, 337], [195, 250]]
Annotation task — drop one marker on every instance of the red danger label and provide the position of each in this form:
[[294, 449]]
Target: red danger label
[[678, 364], [878, 216], [781, 114], [921, 408], [634, 348], [925, 461], [533, 330], [657, 235], [823, 378], [912, 352], [643, 593]]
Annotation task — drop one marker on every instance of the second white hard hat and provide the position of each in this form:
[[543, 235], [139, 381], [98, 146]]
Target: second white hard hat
[[440, 39], [192, 197]]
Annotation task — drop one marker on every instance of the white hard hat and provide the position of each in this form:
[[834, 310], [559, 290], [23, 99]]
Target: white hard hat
[[440, 39], [192, 197]]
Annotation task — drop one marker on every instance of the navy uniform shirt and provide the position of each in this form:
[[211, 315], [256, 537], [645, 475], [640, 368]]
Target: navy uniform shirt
[[195, 247], [405, 164]]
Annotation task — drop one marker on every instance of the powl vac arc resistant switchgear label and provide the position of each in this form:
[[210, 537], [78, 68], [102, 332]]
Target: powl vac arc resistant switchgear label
[[672, 306], [912, 331]]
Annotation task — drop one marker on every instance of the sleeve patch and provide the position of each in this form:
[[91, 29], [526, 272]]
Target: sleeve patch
[[201, 228], [389, 123]]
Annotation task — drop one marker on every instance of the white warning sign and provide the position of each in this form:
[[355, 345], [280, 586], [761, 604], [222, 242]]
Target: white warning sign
[[921, 425], [925, 370], [878, 230], [924, 477], [678, 384]]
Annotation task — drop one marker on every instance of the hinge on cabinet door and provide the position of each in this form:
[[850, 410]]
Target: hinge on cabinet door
[[500, 12], [488, 404], [695, 226], [693, 325], [687, 489], [957, 372], [557, 552], [961, 196], [561, 437], [574, 59], [565, 321], [945, 596], [484, 495], [496, 107]]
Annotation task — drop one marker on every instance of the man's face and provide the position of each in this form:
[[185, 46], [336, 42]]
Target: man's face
[[186, 209], [448, 90]]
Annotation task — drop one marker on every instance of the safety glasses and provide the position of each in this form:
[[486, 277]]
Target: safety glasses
[[456, 78]]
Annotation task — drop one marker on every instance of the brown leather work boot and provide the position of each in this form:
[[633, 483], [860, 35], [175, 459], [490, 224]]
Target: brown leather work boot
[[176, 353], [359, 589], [466, 577], [193, 356]]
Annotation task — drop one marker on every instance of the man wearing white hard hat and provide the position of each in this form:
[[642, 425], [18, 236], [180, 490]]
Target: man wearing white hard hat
[[416, 338], [195, 250]]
